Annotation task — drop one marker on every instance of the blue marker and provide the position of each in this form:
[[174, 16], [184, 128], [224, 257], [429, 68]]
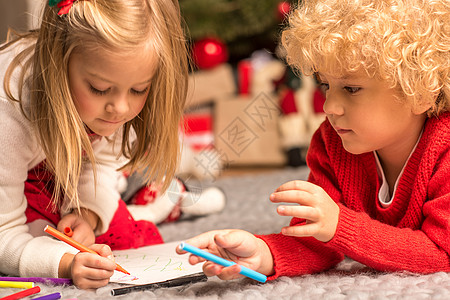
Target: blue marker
[[223, 262]]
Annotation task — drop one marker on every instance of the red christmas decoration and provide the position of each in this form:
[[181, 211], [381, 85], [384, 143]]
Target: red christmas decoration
[[318, 101], [209, 52], [283, 9], [244, 77]]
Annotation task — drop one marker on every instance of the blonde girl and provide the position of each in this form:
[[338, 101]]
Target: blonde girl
[[378, 190], [99, 87]]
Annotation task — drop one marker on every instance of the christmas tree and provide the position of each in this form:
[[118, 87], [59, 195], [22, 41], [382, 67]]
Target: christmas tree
[[243, 25]]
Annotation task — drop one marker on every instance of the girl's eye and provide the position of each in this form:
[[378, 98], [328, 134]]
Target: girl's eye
[[351, 89], [139, 93], [97, 91]]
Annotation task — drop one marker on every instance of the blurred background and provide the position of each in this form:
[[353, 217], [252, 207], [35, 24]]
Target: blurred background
[[243, 25], [246, 108]]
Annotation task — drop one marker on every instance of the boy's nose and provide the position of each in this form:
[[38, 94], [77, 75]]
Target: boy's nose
[[333, 105]]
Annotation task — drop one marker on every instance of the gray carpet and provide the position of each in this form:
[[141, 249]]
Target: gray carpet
[[248, 208]]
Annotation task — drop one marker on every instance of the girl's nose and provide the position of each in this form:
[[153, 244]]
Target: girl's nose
[[118, 105]]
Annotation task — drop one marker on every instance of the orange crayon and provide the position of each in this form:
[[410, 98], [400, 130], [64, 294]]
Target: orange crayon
[[61, 236], [68, 231]]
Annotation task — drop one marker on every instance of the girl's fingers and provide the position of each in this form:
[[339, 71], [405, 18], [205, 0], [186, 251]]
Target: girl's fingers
[[301, 230], [293, 196], [85, 283], [302, 212], [89, 262]]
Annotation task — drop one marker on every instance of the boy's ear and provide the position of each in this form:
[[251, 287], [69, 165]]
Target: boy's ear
[[421, 108], [422, 105]]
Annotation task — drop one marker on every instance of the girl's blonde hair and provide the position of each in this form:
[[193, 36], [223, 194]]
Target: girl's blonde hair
[[105, 25], [406, 42]]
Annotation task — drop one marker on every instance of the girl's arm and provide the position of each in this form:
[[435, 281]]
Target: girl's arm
[[20, 253]]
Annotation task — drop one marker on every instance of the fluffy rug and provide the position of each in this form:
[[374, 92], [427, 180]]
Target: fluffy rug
[[248, 208]]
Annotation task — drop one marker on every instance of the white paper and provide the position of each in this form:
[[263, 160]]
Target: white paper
[[152, 264]]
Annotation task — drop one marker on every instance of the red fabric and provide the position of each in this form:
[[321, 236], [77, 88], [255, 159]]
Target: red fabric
[[412, 234], [123, 233], [318, 101], [287, 103], [38, 191], [148, 195]]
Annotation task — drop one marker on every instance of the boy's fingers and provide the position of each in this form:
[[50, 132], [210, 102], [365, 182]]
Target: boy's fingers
[[301, 230], [194, 259], [236, 243], [230, 273], [211, 269], [228, 240], [302, 212], [202, 241], [298, 185], [293, 196]]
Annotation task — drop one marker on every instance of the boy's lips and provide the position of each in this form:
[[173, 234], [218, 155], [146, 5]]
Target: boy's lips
[[342, 130]]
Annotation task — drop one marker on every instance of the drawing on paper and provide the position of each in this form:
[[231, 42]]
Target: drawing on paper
[[152, 264]]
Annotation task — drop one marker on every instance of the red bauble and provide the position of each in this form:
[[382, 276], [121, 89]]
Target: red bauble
[[283, 9], [209, 52]]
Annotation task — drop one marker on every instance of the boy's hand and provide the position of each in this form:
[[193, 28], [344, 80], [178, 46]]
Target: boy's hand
[[82, 226], [87, 270], [236, 245], [315, 205]]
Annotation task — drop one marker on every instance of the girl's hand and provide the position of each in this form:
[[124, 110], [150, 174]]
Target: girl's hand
[[236, 245], [87, 270], [81, 225], [315, 205]]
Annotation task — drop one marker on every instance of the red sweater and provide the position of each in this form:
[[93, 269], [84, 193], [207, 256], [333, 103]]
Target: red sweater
[[411, 234]]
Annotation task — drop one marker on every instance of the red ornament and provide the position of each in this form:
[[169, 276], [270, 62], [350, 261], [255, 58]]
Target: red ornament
[[208, 53], [283, 9], [318, 101], [244, 76]]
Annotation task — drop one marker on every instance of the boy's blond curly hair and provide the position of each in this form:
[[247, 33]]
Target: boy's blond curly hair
[[405, 42]]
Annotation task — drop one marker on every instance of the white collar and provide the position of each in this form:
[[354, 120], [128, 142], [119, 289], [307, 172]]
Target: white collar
[[383, 193]]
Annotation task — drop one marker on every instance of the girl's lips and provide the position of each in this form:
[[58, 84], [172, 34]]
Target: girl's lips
[[111, 122]]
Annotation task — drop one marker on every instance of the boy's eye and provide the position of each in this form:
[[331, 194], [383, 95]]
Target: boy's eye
[[352, 89], [324, 86], [97, 91]]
